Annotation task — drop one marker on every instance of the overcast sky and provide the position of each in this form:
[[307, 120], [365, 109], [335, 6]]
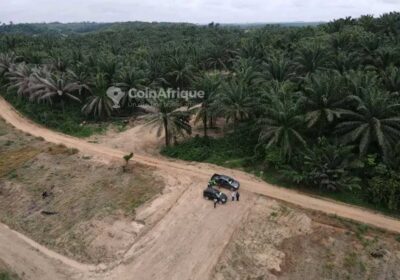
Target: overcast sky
[[196, 11]]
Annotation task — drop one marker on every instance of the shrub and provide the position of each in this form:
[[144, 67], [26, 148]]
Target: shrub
[[384, 189], [326, 166]]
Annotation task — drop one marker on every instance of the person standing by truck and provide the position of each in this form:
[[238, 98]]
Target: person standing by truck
[[237, 195]]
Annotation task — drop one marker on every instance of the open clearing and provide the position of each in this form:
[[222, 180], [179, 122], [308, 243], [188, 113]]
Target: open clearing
[[277, 241], [67, 202], [176, 234]]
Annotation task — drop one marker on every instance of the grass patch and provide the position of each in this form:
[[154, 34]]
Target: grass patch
[[4, 275], [352, 261], [11, 160], [2, 132], [230, 151]]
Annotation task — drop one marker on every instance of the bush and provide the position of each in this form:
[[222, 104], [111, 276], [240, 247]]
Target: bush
[[325, 166], [232, 150], [70, 121], [384, 190]]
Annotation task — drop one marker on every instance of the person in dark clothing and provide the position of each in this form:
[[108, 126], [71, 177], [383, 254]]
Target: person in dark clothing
[[237, 196]]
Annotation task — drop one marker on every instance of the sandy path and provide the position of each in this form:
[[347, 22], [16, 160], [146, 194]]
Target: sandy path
[[140, 139], [186, 243], [33, 261]]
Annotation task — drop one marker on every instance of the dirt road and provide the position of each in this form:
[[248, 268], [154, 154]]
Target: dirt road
[[185, 244]]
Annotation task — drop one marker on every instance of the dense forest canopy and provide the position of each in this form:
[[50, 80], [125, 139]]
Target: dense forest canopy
[[319, 104]]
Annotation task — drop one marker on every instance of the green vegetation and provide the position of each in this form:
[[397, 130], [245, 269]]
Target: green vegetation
[[230, 151], [318, 105], [69, 122], [7, 276], [127, 158]]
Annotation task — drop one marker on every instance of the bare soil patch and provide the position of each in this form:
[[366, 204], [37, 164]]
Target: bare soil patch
[[282, 242], [63, 200]]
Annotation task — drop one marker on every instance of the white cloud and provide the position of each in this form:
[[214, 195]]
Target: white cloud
[[199, 11]]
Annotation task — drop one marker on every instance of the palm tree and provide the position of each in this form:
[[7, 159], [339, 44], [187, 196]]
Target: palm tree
[[356, 81], [369, 44], [391, 79], [375, 120], [311, 58], [82, 77], [6, 61], [281, 125], [338, 24], [389, 23], [209, 83], [244, 71], [99, 105], [165, 115], [20, 78], [277, 68], [58, 64], [54, 87], [109, 67], [323, 98], [131, 78], [234, 102], [367, 22], [217, 57], [344, 61], [180, 71], [385, 57]]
